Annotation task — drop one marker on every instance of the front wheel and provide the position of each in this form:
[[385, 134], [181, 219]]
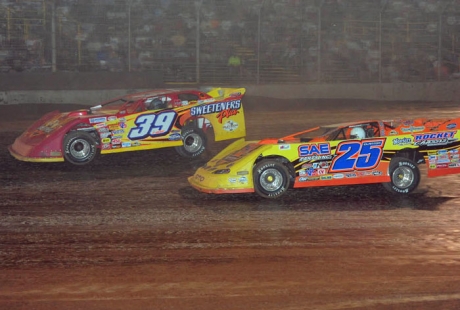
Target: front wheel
[[404, 174], [194, 142], [271, 178], [80, 147]]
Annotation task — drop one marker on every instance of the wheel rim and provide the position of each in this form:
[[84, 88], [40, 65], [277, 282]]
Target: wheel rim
[[80, 149], [403, 177], [271, 180], [193, 143]]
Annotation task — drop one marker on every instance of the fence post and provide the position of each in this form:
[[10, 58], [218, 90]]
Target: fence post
[[382, 9], [198, 8], [129, 35], [258, 42], [8, 23], [53, 36], [318, 52]]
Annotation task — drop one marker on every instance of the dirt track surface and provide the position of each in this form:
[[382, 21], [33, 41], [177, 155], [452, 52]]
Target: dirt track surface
[[128, 232]]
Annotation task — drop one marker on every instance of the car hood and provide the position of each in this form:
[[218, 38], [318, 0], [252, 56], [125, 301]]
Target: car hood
[[240, 151], [51, 123]]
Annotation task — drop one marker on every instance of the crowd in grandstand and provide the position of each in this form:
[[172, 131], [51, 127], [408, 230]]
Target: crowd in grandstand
[[304, 40]]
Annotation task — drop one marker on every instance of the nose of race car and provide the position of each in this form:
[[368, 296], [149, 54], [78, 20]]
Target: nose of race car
[[208, 182]]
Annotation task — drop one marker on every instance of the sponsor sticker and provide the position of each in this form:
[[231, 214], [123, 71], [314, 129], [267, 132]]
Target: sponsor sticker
[[284, 147], [103, 129], [174, 137], [412, 128], [430, 139], [97, 120], [320, 157], [402, 141], [230, 126], [118, 132], [311, 172], [243, 180], [308, 179], [314, 149], [321, 171], [215, 107]]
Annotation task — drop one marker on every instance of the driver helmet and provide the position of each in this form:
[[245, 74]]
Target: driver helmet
[[357, 133]]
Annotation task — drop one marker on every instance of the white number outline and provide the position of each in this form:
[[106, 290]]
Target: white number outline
[[153, 125]]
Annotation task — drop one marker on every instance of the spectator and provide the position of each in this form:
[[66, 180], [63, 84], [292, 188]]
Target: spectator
[[135, 63], [234, 65], [102, 57]]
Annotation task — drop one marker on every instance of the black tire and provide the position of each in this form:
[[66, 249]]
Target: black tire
[[404, 174], [80, 147], [194, 142], [271, 178]]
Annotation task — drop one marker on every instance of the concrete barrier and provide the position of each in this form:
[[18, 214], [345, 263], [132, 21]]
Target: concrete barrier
[[92, 88], [428, 91]]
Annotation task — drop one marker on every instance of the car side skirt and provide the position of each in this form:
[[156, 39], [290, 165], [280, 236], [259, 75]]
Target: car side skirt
[[345, 181], [438, 172], [150, 146]]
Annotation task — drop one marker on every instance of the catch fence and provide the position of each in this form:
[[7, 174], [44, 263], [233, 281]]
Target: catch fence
[[274, 41]]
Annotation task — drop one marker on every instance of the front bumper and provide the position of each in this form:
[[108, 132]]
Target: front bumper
[[22, 156], [218, 184]]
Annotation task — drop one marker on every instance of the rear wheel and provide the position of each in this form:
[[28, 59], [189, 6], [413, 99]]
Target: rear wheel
[[404, 174], [271, 178], [194, 142], [80, 147]]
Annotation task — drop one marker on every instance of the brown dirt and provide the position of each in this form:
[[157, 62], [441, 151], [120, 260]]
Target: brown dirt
[[129, 232]]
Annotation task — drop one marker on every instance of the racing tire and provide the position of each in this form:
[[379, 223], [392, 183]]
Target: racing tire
[[194, 142], [80, 148], [271, 178], [404, 174]]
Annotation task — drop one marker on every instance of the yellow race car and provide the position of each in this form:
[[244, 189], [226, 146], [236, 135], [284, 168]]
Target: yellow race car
[[374, 151], [141, 121]]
